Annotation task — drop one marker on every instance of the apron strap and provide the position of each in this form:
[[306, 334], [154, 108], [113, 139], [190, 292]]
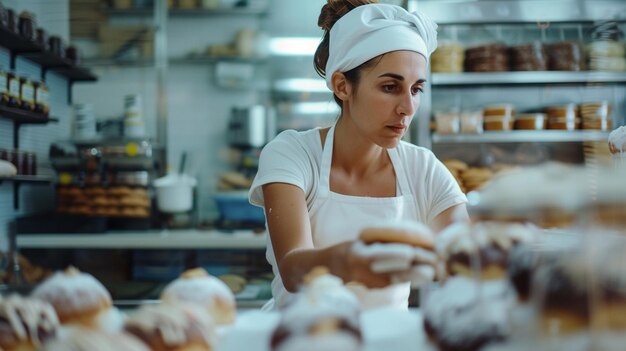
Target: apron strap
[[401, 175]]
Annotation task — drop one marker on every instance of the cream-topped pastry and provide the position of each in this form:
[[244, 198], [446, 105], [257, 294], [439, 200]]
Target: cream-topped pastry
[[549, 195], [466, 314], [323, 316], [480, 250], [94, 340], [26, 323], [196, 286], [172, 326], [77, 297]]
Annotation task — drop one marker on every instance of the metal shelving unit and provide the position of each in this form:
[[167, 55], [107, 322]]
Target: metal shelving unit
[[537, 77], [522, 136]]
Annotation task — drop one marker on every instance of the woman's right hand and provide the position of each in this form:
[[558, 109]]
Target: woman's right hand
[[356, 268]]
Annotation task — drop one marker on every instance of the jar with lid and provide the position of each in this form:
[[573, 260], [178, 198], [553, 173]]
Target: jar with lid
[[27, 95], [42, 39], [12, 21], [4, 87], [26, 25], [41, 98], [13, 83]]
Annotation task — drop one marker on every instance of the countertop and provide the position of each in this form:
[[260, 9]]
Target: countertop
[[154, 239]]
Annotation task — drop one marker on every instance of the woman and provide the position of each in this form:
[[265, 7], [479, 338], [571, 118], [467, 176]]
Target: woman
[[321, 187]]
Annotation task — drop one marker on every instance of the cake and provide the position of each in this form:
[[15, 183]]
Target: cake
[[26, 323], [196, 286]]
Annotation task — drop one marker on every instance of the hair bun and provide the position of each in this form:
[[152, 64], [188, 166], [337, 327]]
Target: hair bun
[[335, 9]]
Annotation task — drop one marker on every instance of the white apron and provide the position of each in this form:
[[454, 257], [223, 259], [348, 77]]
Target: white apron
[[336, 218]]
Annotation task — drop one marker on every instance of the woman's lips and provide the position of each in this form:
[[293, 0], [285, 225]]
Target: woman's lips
[[397, 129]]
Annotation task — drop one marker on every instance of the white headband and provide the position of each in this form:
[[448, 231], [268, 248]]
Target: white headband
[[374, 29]]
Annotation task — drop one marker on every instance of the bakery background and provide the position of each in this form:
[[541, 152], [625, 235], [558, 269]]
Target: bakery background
[[214, 80]]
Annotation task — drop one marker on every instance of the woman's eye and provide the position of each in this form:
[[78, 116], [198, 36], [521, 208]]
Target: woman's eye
[[389, 87], [416, 90]]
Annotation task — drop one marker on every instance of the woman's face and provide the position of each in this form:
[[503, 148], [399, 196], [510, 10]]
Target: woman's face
[[388, 96]]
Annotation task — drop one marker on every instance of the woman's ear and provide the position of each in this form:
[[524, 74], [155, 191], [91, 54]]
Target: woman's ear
[[341, 86]]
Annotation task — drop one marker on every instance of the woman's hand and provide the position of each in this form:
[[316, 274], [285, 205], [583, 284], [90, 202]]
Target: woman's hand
[[356, 268]]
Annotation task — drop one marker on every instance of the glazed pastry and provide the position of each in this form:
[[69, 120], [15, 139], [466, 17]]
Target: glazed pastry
[[197, 287], [92, 340], [480, 250], [323, 316], [77, 297], [26, 323], [172, 327], [465, 314]]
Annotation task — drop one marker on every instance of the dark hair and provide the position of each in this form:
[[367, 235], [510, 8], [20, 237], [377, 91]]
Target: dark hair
[[330, 14]]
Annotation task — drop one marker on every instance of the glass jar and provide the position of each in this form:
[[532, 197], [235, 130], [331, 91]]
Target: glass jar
[[26, 25], [28, 163], [13, 84], [41, 98], [71, 53], [27, 95], [12, 21], [42, 39]]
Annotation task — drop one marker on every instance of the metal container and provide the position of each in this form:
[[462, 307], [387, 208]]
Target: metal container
[[251, 126]]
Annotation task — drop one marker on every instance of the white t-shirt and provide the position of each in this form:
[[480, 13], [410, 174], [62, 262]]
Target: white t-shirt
[[295, 158]]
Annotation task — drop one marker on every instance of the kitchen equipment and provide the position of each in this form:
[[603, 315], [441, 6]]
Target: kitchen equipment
[[234, 206], [251, 126], [175, 191]]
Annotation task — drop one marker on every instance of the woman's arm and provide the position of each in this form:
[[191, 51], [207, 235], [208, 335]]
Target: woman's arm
[[290, 232], [453, 214]]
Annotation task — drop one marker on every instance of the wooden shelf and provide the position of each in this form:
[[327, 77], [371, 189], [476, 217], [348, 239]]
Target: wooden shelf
[[33, 179]]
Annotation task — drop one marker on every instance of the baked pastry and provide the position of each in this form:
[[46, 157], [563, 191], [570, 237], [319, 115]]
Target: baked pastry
[[563, 298], [26, 323], [324, 315], [617, 141], [404, 248], [197, 287], [550, 195], [480, 250], [172, 327], [92, 340], [77, 297], [466, 314]]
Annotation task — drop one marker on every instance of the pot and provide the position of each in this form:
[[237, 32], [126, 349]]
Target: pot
[[174, 193]]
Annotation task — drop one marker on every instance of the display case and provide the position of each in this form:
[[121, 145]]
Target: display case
[[538, 57]]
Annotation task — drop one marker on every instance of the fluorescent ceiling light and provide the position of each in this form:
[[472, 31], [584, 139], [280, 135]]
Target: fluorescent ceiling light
[[304, 85], [309, 108], [293, 46]]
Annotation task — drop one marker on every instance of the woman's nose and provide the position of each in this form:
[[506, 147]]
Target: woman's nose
[[408, 104]]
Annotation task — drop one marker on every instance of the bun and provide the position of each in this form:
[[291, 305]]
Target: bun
[[91, 340], [78, 298], [197, 287], [25, 323], [411, 233], [170, 326]]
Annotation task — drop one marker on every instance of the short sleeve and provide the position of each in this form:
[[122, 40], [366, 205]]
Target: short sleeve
[[444, 189], [283, 160]]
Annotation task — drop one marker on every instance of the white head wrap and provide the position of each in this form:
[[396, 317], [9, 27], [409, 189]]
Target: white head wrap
[[374, 29]]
